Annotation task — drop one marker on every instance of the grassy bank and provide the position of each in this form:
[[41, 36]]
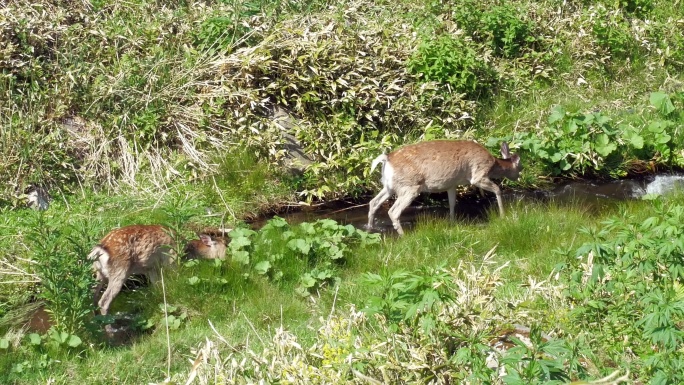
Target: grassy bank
[[472, 281]]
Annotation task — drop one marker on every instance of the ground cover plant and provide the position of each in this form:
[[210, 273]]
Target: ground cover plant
[[444, 298], [188, 114]]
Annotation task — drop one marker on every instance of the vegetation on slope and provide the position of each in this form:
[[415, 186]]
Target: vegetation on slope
[[100, 94]]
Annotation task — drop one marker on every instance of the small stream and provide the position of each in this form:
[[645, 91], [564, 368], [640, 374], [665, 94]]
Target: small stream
[[474, 207]]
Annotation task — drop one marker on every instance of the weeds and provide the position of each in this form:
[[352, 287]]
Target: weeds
[[65, 276], [175, 85], [630, 285], [591, 143]]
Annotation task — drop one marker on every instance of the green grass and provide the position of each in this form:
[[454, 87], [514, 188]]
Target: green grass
[[533, 239]]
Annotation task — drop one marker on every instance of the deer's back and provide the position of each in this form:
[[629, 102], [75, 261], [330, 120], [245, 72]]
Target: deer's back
[[439, 164], [137, 248]]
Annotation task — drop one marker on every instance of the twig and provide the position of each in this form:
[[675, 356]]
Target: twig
[[11, 282], [218, 190], [220, 337], [253, 329], [365, 377], [166, 319], [608, 380], [348, 208]]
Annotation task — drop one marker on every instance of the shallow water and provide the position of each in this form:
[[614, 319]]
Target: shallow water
[[474, 207]]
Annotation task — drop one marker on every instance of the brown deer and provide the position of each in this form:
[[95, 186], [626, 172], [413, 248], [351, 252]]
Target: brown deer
[[140, 249], [208, 246], [436, 166]]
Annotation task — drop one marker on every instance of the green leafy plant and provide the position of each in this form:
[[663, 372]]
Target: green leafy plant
[[669, 38], [226, 29], [631, 285], [507, 32], [406, 297], [612, 32], [315, 280], [638, 8], [55, 340], [574, 142], [277, 250], [241, 244], [171, 316], [60, 255], [662, 134], [451, 61], [541, 363]]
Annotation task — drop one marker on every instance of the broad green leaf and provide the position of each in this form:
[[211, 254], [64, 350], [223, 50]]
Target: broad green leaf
[[307, 227], [275, 222], [327, 224], [239, 243], [74, 341], [555, 158], [262, 267], [323, 275], [4, 343], [299, 244], [351, 230], [241, 257], [565, 165], [635, 140], [658, 126], [241, 232], [558, 113], [60, 337], [601, 119], [191, 263], [193, 280], [585, 120], [662, 102], [604, 146], [307, 280], [663, 138]]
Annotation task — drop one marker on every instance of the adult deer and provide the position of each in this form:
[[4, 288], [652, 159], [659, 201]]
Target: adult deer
[[436, 166]]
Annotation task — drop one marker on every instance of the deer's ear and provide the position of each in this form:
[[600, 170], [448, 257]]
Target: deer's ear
[[206, 239], [505, 152], [515, 159]]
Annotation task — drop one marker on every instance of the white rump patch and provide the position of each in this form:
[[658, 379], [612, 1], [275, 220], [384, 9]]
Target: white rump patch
[[387, 176], [100, 258]]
